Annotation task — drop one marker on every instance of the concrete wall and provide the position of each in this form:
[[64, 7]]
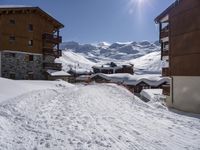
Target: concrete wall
[[186, 93], [20, 65]]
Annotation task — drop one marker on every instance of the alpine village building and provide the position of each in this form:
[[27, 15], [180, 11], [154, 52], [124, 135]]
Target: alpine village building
[[180, 52], [29, 43]]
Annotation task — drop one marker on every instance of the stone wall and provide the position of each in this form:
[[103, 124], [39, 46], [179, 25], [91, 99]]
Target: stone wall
[[22, 65]]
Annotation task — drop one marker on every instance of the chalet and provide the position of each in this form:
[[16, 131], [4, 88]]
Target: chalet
[[135, 83], [180, 53], [112, 68], [79, 75], [29, 43]]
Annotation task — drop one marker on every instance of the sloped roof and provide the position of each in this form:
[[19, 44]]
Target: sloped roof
[[127, 79], [166, 11], [57, 73], [24, 7]]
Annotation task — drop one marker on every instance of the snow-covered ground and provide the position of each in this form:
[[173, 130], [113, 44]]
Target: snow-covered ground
[[12, 88], [151, 94], [99, 116]]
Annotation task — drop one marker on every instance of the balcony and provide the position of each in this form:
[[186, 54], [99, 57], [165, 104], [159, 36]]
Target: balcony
[[165, 52], [51, 38], [165, 72], [166, 89], [164, 32], [52, 52], [53, 66]]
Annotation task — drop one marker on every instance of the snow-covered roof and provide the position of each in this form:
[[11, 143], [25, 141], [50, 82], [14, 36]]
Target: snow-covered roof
[[57, 73], [111, 66], [79, 71], [128, 79], [14, 6]]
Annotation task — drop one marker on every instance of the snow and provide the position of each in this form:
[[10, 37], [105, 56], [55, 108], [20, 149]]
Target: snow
[[115, 52], [151, 93], [128, 79], [13, 6], [70, 59], [99, 116], [14, 88], [58, 73], [149, 63]]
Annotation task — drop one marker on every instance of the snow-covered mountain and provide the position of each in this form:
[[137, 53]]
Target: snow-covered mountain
[[117, 51], [144, 55]]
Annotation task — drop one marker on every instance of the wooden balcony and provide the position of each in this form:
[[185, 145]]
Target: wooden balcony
[[53, 66], [52, 52], [166, 89], [164, 33], [51, 38], [165, 52], [165, 72]]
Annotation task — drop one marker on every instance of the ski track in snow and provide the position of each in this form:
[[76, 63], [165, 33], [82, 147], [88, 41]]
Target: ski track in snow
[[93, 117]]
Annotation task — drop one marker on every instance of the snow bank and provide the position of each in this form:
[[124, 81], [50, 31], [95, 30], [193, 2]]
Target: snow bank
[[102, 116], [151, 94], [12, 88]]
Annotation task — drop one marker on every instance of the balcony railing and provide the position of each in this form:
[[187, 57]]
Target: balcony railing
[[165, 52], [165, 72], [164, 34], [166, 89], [51, 38], [52, 52], [53, 66]]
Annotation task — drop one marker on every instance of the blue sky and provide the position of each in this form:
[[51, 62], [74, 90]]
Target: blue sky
[[92, 21]]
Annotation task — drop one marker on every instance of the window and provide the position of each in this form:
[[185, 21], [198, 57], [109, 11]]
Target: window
[[12, 39], [30, 43], [30, 27], [30, 57], [12, 75], [12, 21]]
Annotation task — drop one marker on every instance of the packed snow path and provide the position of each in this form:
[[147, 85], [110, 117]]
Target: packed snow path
[[93, 117]]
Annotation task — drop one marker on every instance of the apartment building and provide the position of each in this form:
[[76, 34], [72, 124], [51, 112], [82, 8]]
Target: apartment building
[[29, 42], [179, 28]]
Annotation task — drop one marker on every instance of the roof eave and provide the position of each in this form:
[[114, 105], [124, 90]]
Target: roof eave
[[59, 25], [166, 11]]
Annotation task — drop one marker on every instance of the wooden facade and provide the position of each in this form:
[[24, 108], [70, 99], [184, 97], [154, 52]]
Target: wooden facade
[[16, 22], [183, 39], [33, 31], [183, 33], [112, 68], [179, 37]]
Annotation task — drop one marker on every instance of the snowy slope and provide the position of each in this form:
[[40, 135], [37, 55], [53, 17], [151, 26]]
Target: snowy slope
[[70, 59], [13, 88], [99, 117], [149, 63]]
